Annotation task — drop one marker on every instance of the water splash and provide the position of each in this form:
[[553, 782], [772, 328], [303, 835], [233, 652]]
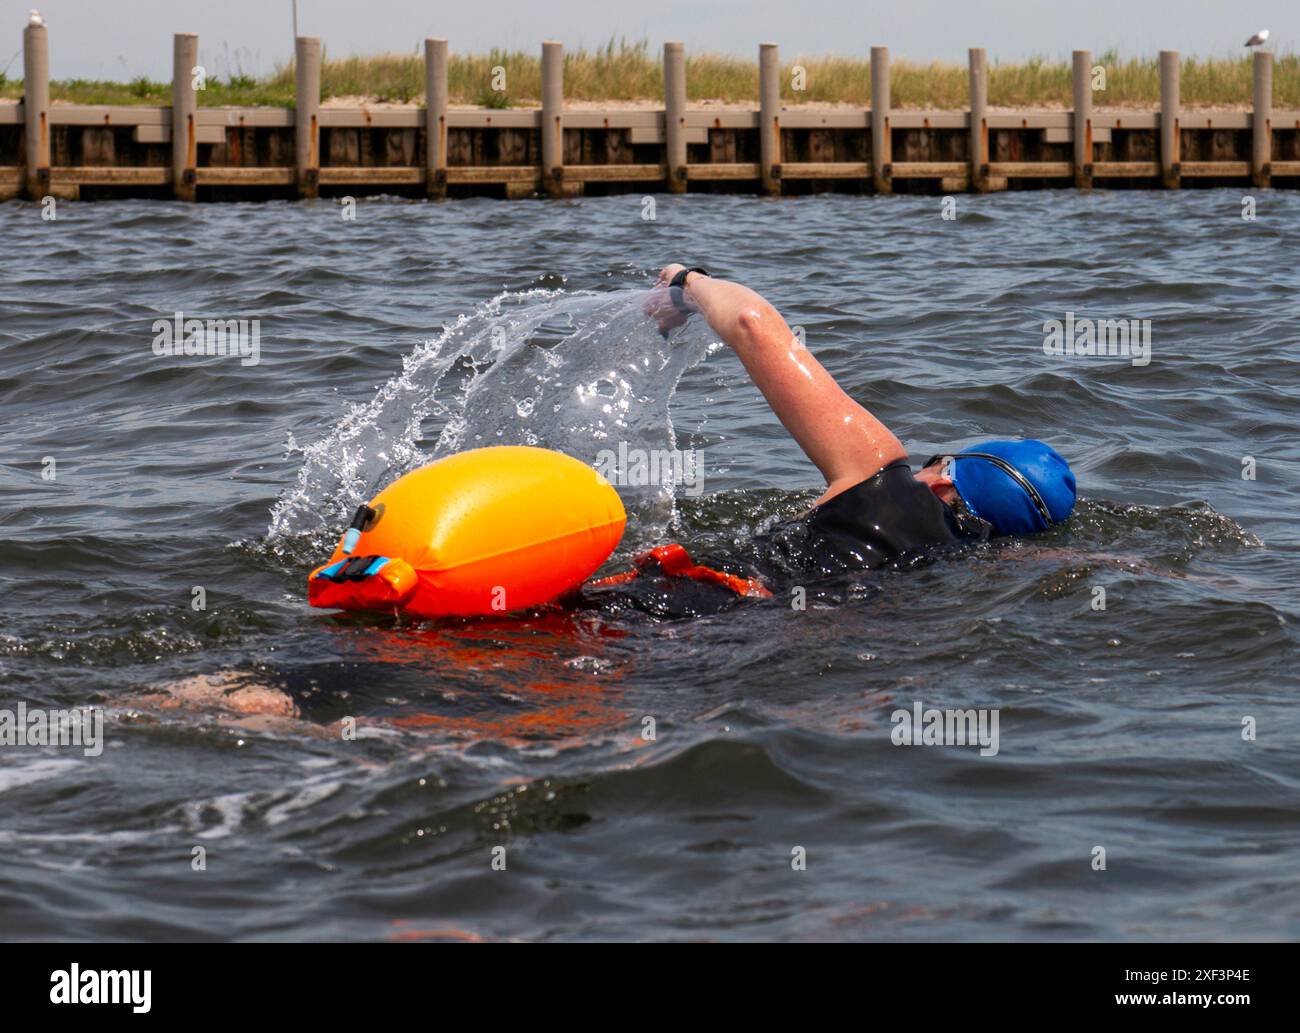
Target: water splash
[[577, 372]]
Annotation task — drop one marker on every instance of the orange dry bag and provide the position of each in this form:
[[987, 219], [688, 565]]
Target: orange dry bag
[[480, 532]]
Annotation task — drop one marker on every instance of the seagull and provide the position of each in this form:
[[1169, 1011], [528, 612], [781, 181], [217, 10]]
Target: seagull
[[36, 18], [1259, 39]]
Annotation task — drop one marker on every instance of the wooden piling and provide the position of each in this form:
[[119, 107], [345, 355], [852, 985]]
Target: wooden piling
[[1261, 122], [36, 109], [675, 116], [435, 117], [185, 150], [979, 119], [1170, 120], [1082, 117], [881, 150], [307, 115], [769, 117], [553, 118]]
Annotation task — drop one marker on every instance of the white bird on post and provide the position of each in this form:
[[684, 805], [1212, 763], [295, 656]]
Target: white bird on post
[[1259, 39], [36, 18]]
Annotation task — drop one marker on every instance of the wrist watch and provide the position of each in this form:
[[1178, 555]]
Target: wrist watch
[[677, 288]]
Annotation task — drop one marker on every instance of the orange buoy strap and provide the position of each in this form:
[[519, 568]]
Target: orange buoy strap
[[675, 561]]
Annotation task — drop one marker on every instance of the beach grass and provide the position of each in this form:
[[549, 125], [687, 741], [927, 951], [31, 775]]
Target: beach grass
[[623, 71]]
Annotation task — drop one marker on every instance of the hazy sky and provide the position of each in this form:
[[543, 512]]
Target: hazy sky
[[119, 39]]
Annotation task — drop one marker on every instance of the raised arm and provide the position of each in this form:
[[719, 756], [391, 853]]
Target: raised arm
[[843, 439]]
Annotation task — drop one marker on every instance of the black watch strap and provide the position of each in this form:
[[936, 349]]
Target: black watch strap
[[677, 284]]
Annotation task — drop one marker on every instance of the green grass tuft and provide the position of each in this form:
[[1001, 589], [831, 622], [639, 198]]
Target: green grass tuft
[[623, 71]]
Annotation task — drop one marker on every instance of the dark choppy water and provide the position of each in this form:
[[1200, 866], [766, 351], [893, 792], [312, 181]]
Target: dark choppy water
[[1119, 728]]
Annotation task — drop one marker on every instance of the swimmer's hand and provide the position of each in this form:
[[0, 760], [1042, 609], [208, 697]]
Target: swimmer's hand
[[659, 306], [668, 272]]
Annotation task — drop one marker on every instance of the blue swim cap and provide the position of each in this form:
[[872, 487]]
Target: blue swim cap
[[994, 494]]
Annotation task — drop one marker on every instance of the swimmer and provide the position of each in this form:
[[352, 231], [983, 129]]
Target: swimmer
[[875, 511]]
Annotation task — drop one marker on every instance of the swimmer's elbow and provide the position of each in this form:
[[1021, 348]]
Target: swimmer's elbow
[[755, 325]]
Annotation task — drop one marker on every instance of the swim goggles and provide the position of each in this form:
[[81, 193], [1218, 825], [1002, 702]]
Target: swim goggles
[[1007, 469]]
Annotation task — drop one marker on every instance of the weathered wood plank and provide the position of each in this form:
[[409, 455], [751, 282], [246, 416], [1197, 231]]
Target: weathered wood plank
[[929, 169], [145, 133], [724, 170], [268, 175], [1029, 119], [94, 175], [614, 119], [1032, 169], [1066, 135], [109, 115], [11, 182], [817, 170], [799, 117], [722, 119], [928, 119], [616, 173], [1116, 169], [655, 134], [1215, 119], [1127, 119], [520, 118], [266, 118], [376, 117], [379, 174], [1214, 168], [494, 174]]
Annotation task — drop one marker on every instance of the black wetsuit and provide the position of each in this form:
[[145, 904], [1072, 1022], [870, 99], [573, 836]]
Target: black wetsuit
[[889, 520]]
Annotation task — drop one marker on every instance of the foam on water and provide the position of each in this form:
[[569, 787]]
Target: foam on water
[[577, 372]]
